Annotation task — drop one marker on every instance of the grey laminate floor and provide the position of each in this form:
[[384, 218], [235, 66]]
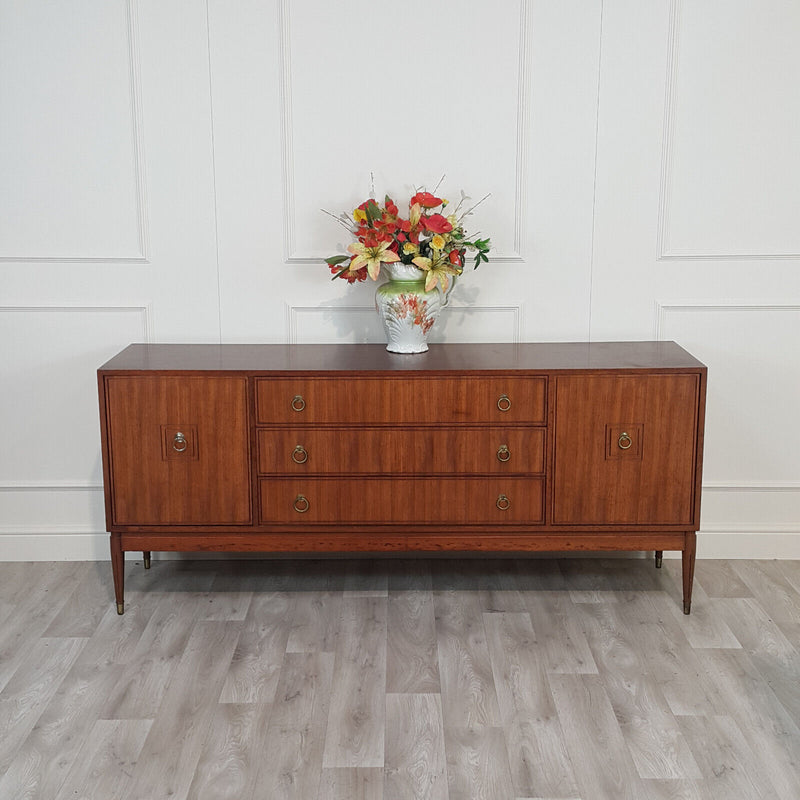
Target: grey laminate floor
[[459, 679]]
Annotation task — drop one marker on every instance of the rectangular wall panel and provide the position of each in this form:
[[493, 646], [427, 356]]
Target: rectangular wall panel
[[49, 362], [70, 149], [361, 324], [407, 106], [752, 424], [732, 180]]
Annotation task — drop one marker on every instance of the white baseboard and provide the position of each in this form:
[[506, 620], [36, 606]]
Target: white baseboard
[[82, 546]]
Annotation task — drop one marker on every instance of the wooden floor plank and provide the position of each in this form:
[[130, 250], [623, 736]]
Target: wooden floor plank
[[109, 758], [143, 684], [351, 783], [772, 735], [29, 691], [602, 762], [416, 764], [730, 768], [477, 764], [290, 766], [229, 763], [47, 755], [559, 636], [255, 668], [315, 622], [648, 727], [411, 650], [175, 741], [537, 754], [465, 670], [356, 720]]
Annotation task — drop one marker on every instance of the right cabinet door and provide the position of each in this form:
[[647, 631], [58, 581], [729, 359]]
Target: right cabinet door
[[625, 449]]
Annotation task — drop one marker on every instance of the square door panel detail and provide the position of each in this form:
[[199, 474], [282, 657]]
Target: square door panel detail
[[640, 470], [201, 476]]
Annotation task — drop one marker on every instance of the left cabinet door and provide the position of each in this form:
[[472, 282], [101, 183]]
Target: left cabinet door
[[178, 450]]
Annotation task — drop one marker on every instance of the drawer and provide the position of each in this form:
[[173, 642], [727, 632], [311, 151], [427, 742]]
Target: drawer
[[493, 500], [415, 451], [401, 400]]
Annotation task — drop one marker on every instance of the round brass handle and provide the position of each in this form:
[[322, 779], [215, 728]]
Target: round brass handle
[[624, 441], [179, 443], [503, 503], [301, 504], [298, 404], [504, 402], [299, 455], [503, 453]]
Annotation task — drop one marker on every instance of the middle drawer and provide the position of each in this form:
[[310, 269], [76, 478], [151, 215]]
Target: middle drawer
[[396, 451]]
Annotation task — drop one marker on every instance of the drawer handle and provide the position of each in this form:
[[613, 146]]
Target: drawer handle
[[624, 441], [503, 503], [504, 402], [179, 443], [301, 504], [503, 453], [299, 455], [298, 404]]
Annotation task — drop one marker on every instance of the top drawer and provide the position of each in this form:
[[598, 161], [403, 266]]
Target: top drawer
[[401, 400]]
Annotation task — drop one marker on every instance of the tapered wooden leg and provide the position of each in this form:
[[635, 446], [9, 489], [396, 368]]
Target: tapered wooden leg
[[659, 558], [118, 571], [146, 558], [690, 546]]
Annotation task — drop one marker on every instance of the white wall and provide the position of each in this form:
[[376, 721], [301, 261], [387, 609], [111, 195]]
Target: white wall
[[163, 165]]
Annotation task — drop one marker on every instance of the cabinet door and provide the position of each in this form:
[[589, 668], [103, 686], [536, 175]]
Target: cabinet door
[[625, 449], [179, 450]]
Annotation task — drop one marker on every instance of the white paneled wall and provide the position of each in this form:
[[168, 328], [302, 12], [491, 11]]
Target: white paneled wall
[[164, 166]]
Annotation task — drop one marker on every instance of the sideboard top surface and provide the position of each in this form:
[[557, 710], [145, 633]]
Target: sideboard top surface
[[343, 358]]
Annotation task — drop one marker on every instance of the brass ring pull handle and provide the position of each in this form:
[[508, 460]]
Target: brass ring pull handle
[[503, 503], [298, 404], [301, 504], [504, 402], [179, 443], [624, 441], [503, 453], [299, 455]]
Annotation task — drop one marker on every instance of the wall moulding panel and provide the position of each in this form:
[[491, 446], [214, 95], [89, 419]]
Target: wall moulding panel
[[750, 381], [53, 352], [312, 324], [730, 188], [342, 146], [71, 142]]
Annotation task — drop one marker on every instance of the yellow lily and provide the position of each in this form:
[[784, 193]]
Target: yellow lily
[[438, 268], [371, 257]]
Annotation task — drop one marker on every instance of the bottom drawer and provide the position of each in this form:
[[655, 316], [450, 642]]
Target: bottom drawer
[[402, 500]]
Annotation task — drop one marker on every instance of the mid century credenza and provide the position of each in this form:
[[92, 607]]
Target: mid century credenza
[[348, 448]]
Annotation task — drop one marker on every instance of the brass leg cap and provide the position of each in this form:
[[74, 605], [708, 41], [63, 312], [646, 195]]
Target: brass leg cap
[[147, 562], [120, 608], [659, 561], [687, 606]]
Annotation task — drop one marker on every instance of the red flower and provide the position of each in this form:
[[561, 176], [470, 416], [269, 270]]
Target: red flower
[[426, 200], [455, 258], [436, 223]]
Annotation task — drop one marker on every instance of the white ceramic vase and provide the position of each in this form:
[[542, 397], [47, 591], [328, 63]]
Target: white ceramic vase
[[406, 310]]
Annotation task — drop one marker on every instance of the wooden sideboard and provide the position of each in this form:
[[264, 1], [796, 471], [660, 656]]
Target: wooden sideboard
[[345, 448]]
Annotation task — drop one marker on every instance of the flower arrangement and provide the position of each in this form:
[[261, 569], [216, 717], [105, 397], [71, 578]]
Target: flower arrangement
[[427, 239]]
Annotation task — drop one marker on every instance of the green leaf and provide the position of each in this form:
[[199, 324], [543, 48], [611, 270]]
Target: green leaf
[[334, 260], [373, 213]]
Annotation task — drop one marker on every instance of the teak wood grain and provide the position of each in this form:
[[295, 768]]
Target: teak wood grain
[[340, 448]]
